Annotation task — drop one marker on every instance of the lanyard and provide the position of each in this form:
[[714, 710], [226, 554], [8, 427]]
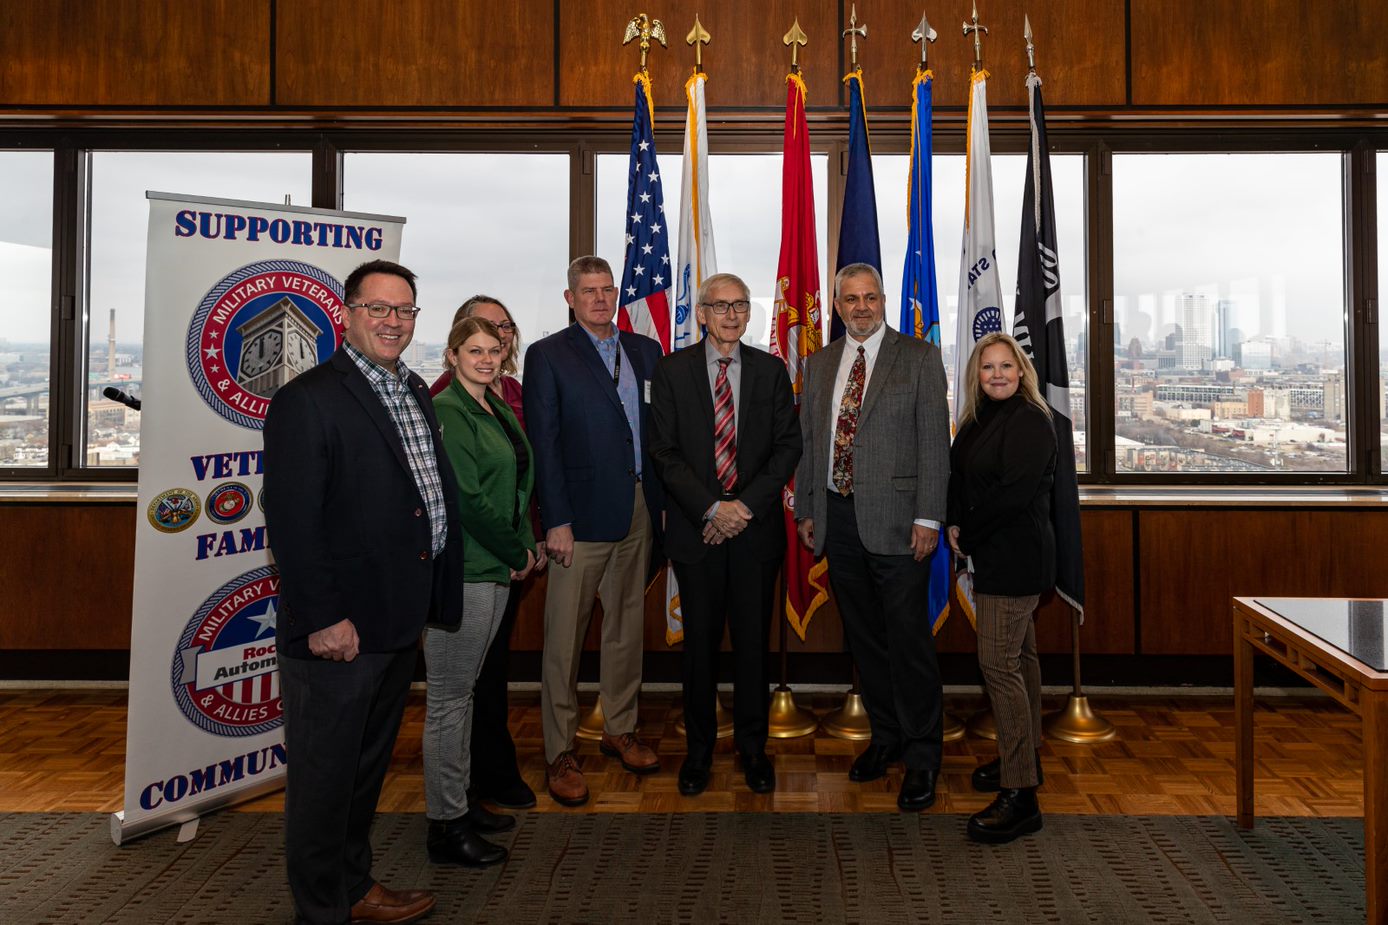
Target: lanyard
[[617, 366]]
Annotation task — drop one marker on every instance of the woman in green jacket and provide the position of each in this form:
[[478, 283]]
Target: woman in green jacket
[[492, 461]]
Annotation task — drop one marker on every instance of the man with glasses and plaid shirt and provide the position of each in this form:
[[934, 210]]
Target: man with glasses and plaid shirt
[[361, 510]]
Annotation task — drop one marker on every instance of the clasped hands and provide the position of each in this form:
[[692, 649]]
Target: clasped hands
[[730, 519]]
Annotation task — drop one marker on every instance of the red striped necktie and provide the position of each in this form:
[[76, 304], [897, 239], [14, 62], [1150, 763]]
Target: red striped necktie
[[724, 429]]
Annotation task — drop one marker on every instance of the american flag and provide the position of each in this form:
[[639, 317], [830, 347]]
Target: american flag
[[646, 275]]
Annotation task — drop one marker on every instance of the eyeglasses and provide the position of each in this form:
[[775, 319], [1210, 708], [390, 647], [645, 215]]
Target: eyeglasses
[[381, 310], [505, 327], [741, 306]]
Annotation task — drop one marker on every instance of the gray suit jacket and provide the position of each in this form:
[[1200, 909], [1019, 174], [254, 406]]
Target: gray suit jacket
[[901, 453]]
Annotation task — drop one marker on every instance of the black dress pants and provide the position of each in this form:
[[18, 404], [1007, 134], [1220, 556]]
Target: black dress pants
[[340, 723], [494, 766], [884, 604], [733, 585]]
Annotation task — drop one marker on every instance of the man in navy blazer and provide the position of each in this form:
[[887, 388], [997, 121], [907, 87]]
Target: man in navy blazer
[[587, 392], [361, 510]]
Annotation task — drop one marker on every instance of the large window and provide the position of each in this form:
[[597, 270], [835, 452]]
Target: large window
[[1229, 313], [745, 205], [1009, 178], [117, 235], [26, 313], [496, 224]]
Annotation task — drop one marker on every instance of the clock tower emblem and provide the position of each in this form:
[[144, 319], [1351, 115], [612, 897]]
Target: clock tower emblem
[[276, 345]]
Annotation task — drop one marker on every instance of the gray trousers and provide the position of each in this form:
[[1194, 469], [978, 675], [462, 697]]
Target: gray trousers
[[453, 658], [1012, 674]]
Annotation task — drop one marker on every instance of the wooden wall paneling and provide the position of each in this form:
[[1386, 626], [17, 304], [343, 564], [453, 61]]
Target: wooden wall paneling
[[1193, 562], [1110, 627], [135, 53], [746, 61], [394, 53], [1079, 51], [1264, 53], [67, 575]]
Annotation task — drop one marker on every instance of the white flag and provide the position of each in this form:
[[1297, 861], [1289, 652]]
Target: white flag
[[696, 261], [980, 292]]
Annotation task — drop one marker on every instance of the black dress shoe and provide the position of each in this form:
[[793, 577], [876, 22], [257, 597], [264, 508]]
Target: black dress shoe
[[760, 773], [455, 842], [917, 790], [987, 778], [872, 763], [515, 795], [693, 777], [484, 820], [1012, 813]]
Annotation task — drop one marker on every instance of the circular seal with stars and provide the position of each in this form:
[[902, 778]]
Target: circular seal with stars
[[256, 329], [224, 670]]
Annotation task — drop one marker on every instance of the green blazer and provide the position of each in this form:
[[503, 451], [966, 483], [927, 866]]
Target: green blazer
[[484, 463]]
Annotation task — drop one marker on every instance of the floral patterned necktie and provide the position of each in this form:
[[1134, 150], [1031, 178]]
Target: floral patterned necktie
[[847, 426]]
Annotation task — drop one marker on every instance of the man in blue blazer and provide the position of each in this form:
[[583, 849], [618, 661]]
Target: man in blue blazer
[[587, 398], [361, 510]]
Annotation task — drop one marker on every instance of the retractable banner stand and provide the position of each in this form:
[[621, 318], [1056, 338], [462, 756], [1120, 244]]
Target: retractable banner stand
[[240, 297]]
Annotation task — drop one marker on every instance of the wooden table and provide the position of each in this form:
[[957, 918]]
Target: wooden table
[[1338, 644]]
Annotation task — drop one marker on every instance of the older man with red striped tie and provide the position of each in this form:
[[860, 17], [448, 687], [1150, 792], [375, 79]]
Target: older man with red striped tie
[[724, 440]]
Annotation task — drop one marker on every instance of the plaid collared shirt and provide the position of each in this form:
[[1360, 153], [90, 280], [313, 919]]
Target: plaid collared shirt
[[403, 408]]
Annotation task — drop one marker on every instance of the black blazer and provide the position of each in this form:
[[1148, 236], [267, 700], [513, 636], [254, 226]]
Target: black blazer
[[345, 520], [1000, 498], [768, 448], [584, 461]]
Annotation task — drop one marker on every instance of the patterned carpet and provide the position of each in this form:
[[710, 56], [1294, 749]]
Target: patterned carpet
[[739, 868]]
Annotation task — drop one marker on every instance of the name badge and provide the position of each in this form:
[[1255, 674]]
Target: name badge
[[646, 390]]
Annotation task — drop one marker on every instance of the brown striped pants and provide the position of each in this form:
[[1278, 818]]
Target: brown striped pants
[[1012, 674]]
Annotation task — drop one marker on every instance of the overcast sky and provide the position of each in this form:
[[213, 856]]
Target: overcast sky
[[1260, 229]]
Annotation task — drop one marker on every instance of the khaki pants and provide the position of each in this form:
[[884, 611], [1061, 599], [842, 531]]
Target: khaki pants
[[615, 572]]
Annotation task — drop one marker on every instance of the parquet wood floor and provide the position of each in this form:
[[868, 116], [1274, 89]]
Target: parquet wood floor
[[64, 751]]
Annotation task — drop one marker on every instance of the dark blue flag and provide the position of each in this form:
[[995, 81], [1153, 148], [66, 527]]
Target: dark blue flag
[[858, 241]]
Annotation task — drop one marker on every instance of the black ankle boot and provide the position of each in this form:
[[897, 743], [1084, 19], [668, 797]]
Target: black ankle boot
[[1012, 813], [455, 842], [987, 778]]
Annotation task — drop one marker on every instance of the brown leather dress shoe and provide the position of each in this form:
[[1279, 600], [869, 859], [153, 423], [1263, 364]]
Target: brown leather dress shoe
[[566, 783], [397, 907], [637, 757]]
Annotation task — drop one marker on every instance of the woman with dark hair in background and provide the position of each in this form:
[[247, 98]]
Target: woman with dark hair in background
[[496, 776], [1002, 465], [491, 460]]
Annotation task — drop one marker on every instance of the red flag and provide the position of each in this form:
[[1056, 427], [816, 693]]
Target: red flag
[[798, 333]]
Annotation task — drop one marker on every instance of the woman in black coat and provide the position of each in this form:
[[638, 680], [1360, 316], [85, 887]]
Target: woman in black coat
[[1002, 465]]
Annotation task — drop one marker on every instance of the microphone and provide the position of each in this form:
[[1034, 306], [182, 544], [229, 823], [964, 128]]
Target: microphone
[[116, 394]]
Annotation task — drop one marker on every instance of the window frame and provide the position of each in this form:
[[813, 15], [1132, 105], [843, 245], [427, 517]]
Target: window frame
[[1358, 148]]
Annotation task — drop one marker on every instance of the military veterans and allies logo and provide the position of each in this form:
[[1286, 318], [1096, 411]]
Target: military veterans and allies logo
[[174, 510], [229, 502], [258, 328], [224, 673]]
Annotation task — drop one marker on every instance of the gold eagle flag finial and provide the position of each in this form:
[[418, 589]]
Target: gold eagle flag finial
[[645, 28]]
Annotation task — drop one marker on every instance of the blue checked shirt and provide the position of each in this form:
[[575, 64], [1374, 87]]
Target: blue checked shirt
[[627, 389], [395, 394]]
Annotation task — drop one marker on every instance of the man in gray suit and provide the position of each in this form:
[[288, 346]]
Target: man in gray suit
[[871, 487]]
